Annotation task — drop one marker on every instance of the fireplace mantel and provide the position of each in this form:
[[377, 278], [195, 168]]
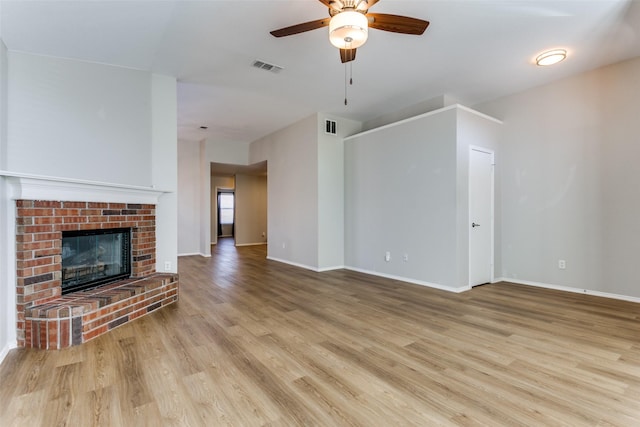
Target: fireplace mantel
[[44, 208], [38, 187]]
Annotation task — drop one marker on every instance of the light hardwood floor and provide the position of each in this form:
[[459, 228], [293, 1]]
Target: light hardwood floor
[[257, 343]]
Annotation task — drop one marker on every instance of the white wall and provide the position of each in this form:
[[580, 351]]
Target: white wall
[[306, 191], [7, 275], [331, 191], [400, 192], [189, 198], [250, 210], [204, 202], [80, 118], [232, 153], [570, 181], [406, 192], [410, 111], [164, 168], [4, 89], [292, 157]]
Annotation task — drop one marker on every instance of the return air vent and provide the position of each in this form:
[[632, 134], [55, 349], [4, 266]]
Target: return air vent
[[330, 127], [266, 66]]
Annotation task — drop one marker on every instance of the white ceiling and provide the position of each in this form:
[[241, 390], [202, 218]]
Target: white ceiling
[[473, 51]]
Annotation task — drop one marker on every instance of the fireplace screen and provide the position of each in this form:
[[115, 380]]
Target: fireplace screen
[[94, 257]]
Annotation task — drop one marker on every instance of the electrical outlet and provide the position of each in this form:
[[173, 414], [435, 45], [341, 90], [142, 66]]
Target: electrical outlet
[[562, 264], [387, 256], [405, 258], [167, 266]]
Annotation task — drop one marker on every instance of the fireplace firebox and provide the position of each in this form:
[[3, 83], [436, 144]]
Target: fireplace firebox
[[94, 257]]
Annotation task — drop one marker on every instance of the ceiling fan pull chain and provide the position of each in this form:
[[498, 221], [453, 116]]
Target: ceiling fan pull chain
[[345, 84], [347, 65], [351, 72]]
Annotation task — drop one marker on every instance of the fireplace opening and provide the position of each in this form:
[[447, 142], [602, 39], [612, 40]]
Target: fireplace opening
[[94, 257]]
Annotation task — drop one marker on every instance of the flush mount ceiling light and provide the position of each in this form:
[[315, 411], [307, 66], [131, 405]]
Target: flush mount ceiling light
[[348, 29], [551, 57]]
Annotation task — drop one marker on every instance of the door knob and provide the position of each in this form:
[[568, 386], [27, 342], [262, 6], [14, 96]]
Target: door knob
[[474, 225]]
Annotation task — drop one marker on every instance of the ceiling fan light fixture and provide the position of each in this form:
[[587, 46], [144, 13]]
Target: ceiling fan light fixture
[[551, 57], [348, 29]]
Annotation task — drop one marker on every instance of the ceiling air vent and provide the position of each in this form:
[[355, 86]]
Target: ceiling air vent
[[330, 127], [266, 66]]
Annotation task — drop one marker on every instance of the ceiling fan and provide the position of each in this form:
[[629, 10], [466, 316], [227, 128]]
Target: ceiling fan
[[349, 22]]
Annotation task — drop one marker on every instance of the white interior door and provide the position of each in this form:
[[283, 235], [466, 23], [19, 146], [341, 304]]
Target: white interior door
[[480, 216]]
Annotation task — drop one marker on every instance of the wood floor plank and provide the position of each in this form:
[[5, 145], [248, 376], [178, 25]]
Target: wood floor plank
[[104, 408], [19, 410], [258, 343]]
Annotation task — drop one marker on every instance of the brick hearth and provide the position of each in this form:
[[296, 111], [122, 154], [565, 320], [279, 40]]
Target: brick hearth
[[80, 316], [41, 309]]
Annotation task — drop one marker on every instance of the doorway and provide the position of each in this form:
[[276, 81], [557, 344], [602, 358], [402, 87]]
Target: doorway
[[481, 202], [238, 203], [226, 213]]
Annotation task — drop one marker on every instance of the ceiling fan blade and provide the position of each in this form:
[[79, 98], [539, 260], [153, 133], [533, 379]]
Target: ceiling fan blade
[[347, 55], [301, 28], [397, 24]]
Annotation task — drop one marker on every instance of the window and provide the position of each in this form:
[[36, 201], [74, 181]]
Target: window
[[226, 208]]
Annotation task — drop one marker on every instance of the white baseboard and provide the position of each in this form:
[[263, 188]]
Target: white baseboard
[[251, 244], [5, 350], [190, 254], [336, 267], [374, 273], [409, 280], [569, 289], [295, 264], [196, 253]]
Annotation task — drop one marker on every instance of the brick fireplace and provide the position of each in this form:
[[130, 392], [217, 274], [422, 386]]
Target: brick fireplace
[[46, 318]]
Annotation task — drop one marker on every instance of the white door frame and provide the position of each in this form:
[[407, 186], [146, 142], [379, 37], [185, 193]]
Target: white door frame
[[469, 219]]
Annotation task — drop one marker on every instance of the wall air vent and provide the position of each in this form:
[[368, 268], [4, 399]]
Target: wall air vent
[[266, 66], [330, 127]]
